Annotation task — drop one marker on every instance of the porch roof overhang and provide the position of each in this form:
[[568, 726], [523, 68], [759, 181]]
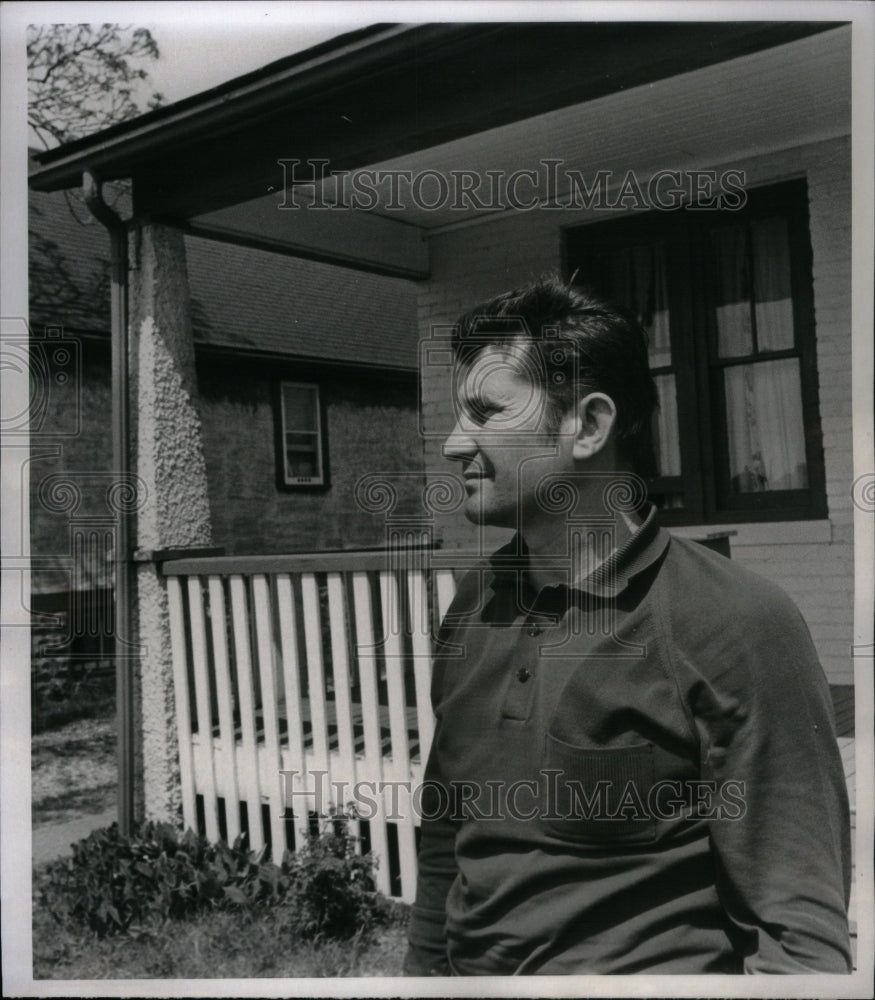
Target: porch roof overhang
[[385, 95]]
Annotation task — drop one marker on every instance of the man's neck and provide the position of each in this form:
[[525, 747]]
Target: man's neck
[[551, 564]]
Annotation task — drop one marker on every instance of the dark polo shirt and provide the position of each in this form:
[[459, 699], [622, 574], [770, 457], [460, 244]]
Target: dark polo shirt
[[636, 774]]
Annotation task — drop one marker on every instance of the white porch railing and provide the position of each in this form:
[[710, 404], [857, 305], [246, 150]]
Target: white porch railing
[[318, 666]]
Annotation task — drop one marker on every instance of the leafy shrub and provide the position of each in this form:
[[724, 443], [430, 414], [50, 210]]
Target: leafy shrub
[[114, 883], [332, 892]]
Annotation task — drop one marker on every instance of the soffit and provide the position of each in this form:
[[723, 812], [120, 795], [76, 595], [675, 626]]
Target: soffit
[[786, 96]]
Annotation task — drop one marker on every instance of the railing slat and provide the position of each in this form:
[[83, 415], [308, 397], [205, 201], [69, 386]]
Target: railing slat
[[418, 596], [392, 622], [372, 765], [228, 760], [272, 781], [292, 682], [249, 746], [183, 705], [332, 736], [203, 704], [445, 584], [342, 700], [315, 674]]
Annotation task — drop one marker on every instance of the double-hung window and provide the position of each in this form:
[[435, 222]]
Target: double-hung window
[[726, 299], [301, 452]]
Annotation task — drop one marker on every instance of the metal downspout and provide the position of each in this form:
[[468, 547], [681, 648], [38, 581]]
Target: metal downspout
[[91, 188]]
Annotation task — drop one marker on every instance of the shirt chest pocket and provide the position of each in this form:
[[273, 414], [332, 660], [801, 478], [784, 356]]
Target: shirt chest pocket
[[598, 795]]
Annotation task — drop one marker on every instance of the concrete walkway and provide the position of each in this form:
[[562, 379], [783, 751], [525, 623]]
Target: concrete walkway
[[55, 840]]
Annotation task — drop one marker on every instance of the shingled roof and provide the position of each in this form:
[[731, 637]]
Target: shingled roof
[[242, 299]]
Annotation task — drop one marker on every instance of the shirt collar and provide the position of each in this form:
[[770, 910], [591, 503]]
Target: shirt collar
[[609, 579]]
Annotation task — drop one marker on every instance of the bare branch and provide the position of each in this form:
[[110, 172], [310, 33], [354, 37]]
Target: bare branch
[[83, 78]]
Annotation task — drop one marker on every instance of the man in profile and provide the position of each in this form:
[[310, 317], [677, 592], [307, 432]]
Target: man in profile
[[634, 766]]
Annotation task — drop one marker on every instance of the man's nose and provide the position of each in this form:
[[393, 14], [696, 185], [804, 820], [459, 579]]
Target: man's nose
[[459, 445]]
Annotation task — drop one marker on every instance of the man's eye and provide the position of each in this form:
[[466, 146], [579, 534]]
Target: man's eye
[[483, 412]]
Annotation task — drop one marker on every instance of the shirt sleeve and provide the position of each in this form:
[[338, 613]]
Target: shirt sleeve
[[427, 941], [781, 839], [436, 861]]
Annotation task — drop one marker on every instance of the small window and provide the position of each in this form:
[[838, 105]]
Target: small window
[[301, 445]]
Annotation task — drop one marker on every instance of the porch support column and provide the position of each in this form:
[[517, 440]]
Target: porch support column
[[170, 463]]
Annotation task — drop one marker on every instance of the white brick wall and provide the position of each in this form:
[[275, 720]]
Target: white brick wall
[[474, 262]]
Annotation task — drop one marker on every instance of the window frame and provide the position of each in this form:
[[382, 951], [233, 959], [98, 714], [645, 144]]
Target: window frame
[[691, 282], [295, 484]]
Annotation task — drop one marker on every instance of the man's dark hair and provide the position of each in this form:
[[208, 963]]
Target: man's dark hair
[[577, 343]]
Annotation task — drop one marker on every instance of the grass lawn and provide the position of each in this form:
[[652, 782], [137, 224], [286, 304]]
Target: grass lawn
[[73, 769], [216, 945], [74, 773]]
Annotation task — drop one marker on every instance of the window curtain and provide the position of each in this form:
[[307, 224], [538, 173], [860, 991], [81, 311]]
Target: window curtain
[[639, 281], [668, 452], [734, 329], [753, 264], [754, 314], [638, 278], [764, 419], [773, 303]]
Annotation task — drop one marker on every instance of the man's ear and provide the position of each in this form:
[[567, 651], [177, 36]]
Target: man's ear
[[596, 416]]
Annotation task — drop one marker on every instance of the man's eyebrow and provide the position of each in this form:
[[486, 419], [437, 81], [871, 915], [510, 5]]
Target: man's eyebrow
[[477, 402]]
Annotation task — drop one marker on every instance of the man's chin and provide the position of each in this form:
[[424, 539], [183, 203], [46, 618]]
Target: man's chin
[[473, 512], [478, 513]]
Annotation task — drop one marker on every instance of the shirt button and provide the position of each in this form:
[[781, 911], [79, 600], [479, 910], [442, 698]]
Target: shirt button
[[534, 630], [523, 675]]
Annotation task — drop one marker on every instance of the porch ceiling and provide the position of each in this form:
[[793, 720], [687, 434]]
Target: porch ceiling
[[446, 97], [795, 93]]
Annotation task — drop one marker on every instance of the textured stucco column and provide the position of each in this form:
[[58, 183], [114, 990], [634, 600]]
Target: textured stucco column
[[170, 462]]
